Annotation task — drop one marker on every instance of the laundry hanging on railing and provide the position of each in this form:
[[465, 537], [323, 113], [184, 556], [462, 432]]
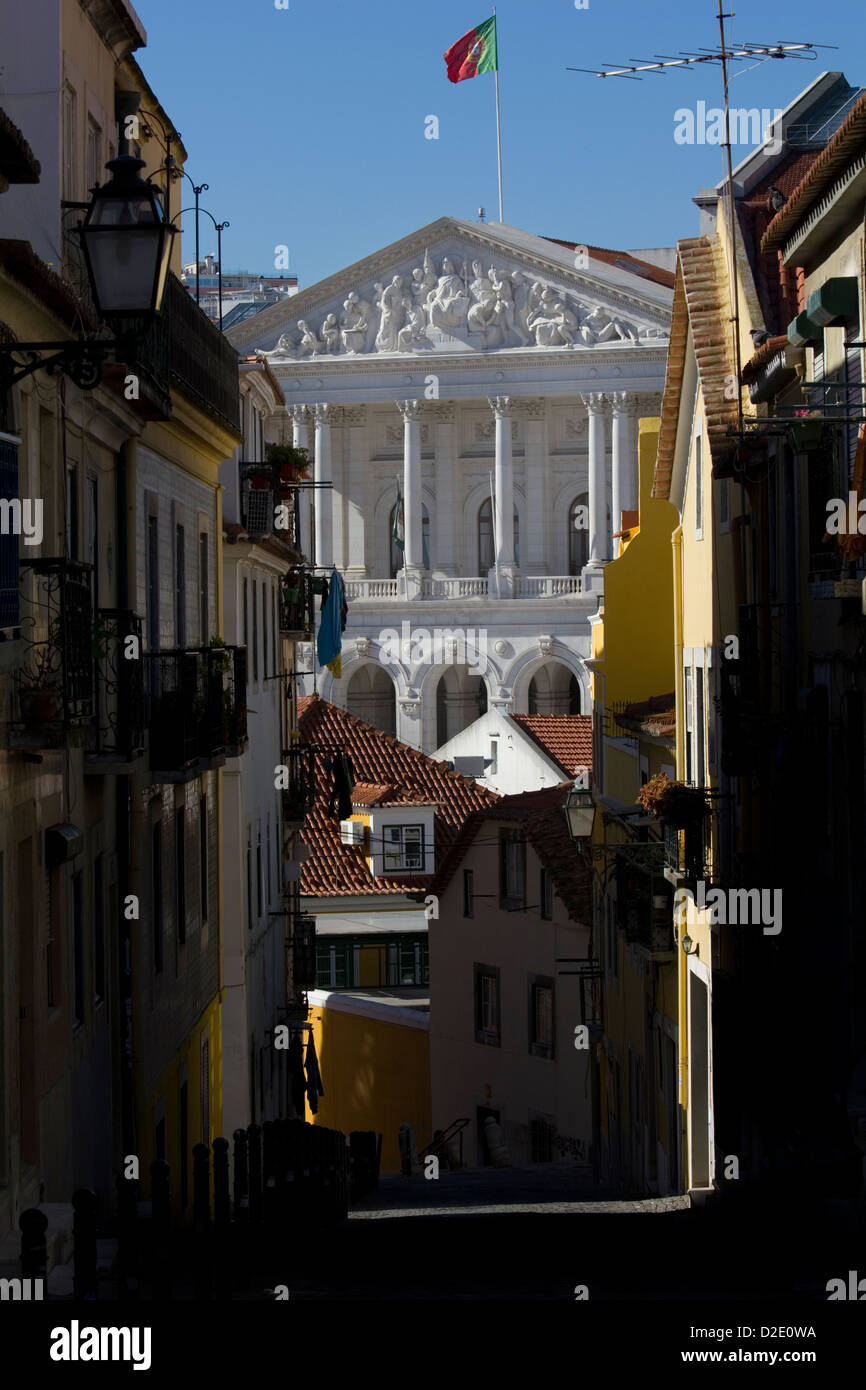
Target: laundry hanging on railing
[[329, 643]]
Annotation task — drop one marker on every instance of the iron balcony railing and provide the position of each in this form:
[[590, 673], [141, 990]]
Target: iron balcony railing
[[177, 704], [686, 849], [54, 687], [235, 702], [299, 794], [120, 704], [303, 948], [262, 492], [297, 605]]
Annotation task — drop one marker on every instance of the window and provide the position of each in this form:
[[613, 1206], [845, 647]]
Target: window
[[98, 929], [9, 542], [487, 540], [397, 554], [487, 1010], [468, 889], [403, 847], [545, 894], [699, 486], [690, 722], [202, 855], [247, 620], [512, 870], [179, 587], [153, 583], [330, 965], [180, 873], [249, 887], [541, 1016], [578, 533], [51, 998], [264, 630], [77, 949], [72, 512], [203, 615], [92, 529], [156, 891], [93, 163], [700, 747], [274, 628], [541, 1136], [611, 952], [255, 632], [494, 757], [70, 142]]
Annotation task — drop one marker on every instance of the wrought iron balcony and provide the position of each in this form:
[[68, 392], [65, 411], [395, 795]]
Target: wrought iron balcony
[[303, 948], [223, 729], [262, 492], [300, 793], [177, 705], [120, 712], [686, 852], [54, 687], [235, 702], [297, 605]]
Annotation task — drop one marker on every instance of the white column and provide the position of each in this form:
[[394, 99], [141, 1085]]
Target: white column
[[413, 556], [355, 490], [624, 472], [322, 474], [504, 572], [599, 537], [300, 416], [443, 560], [533, 550]]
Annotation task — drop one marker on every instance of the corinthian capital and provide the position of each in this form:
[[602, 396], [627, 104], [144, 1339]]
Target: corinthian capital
[[322, 413], [595, 402], [410, 410], [299, 413], [502, 406]]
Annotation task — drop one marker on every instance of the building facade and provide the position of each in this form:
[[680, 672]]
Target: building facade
[[488, 379]]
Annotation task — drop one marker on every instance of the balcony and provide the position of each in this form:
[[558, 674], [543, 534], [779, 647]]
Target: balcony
[[300, 793], [53, 690], [262, 492], [178, 703], [223, 729], [297, 606], [685, 852], [120, 713], [544, 586], [643, 907], [303, 948]]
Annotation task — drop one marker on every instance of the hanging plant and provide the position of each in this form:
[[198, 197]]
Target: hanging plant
[[672, 802], [292, 463], [807, 433]]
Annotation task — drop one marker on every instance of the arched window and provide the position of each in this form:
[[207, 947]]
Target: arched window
[[486, 541], [578, 533], [395, 550]]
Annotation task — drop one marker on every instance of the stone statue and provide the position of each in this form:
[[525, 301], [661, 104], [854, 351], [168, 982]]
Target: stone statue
[[604, 326], [414, 330], [310, 344], [331, 333], [355, 323], [483, 308], [392, 308], [448, 303]]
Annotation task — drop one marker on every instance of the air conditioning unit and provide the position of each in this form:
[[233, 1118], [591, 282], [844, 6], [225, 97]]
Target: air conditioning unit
[[471, 766], [352, 832]]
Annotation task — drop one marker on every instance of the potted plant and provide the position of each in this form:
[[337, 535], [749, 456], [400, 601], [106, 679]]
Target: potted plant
[[292, 463], [807, 432], [671, 802]]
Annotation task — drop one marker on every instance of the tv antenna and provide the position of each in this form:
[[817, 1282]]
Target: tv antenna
[[686, 61]]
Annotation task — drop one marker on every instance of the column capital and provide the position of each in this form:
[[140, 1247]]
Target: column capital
[[321, 412], [596, 403], [410, 410], [502, 406], [623, 402], [299, 413]]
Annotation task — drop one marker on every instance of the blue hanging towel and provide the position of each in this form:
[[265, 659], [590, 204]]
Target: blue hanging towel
[[329, 643]]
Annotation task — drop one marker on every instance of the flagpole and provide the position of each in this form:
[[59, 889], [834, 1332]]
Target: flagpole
[[498, 128]]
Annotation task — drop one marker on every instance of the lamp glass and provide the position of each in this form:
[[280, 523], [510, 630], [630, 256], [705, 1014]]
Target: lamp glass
[[127, 243]]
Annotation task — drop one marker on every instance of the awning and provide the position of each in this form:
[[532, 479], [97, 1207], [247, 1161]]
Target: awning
[[369, 923]]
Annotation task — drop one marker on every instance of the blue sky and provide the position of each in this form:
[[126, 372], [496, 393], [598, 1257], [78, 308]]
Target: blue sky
[[308, 123]]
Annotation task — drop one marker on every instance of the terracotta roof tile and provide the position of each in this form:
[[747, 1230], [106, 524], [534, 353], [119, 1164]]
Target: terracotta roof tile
[[848, 143], [541, 813], [566, 738], [379, 761], [623, 260]]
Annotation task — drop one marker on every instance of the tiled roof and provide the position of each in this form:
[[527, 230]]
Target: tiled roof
[[566, 738], [656, 716], [622, 260], [763, 357], [541, 812], [379, 761], [848, 142], [700, 299], [18, 163]]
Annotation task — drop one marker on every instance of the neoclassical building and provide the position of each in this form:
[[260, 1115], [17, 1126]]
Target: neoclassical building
[[491, 379]]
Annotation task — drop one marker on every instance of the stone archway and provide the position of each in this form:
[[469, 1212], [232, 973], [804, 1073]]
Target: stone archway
[[554, 689], [372, 696], [461, 698]]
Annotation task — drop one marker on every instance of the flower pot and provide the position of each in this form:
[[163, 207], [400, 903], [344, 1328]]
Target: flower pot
[[807, 435], [39, 704], [260, 482]]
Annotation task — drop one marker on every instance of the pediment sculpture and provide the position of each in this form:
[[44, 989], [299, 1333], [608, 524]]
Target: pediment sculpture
[[485, 309]]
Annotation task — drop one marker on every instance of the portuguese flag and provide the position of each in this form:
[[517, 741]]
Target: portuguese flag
[[474, 53]]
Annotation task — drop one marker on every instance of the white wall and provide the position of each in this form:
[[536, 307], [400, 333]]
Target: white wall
[[521, 765]]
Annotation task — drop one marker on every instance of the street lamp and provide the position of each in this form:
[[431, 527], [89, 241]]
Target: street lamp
[[220, 228], [579, 806], [127, 245]]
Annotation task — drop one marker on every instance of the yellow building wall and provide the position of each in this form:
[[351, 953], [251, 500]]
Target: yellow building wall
[[376, 1076]]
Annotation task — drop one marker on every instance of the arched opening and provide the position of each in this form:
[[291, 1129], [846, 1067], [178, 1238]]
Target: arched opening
[[396, 551], [554, 690], [460, 700], [371, 696], [578, 533], [486, 539]]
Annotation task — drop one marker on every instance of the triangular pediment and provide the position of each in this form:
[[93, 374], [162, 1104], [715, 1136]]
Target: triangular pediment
[[462, 287]]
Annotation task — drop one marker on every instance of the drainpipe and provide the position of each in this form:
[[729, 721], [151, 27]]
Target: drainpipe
[[123, 829]]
